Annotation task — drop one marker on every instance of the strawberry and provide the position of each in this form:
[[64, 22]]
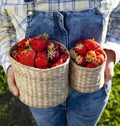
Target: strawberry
[[20, 50], [91, 65], [16, 57], [80, 49], [39, 43], [50, 45], [90, 56], [80, 60], [59, 62], [53, 45], [27, 57], [44, 52], [41, 60], [62, 50], [64, 56], [91, 44], [53, 55], [100, 59], [24, 43], [79, 42], [53, 51], [56, 54], [99, 50], [56, 45], [49, 64]]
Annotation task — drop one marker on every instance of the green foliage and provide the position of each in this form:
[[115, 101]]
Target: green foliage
[[14, 113], [111, 115], [3, 82]]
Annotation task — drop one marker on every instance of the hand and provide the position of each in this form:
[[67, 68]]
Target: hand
[[109, 69], [11, 82]]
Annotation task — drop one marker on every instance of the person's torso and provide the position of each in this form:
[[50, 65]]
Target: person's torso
[[65, 18]]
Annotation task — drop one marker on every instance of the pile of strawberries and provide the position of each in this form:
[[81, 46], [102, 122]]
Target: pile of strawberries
[[40, 52], [87, 53]]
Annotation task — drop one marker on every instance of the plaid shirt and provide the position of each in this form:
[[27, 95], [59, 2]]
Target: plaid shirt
[[13, 21]]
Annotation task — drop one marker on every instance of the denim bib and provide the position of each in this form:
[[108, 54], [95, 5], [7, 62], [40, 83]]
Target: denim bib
[[67, 27]]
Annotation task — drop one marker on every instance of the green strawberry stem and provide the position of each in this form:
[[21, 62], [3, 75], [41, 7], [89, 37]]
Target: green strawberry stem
[[44, 35]]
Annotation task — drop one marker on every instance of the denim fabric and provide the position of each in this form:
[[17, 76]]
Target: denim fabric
[[79, 109], [67, 27]]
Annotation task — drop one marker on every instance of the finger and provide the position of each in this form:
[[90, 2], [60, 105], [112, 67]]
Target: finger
[[109, 73], [13, 88]]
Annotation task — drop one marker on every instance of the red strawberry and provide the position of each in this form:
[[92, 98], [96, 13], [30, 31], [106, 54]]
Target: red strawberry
[[16, 57], [24, 43], [57, 45], [62, 50], [80, 49], [100, 59], [44, 52], [53, 55], [17, 53], [39, 43], [59, 62], [99, 50], [41, 60], [50, 45], [79, 42], [91, 44], [64, 56], [27, 57], [53, 45], [49, 65], [80, 60], [20, 50], [91, 65], [90, 56]]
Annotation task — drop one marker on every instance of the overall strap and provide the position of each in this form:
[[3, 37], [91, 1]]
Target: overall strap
[[30, 7]]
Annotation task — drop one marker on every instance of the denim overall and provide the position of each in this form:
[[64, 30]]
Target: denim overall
[[79, 109]]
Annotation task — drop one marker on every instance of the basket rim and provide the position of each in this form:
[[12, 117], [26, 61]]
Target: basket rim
[[38, 69]]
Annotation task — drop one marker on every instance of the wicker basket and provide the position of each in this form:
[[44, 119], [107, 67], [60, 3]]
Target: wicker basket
[[41, 88], [86, 80]]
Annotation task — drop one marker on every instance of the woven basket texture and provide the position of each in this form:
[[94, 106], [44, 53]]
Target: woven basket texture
[[41, 88], [86, 80]]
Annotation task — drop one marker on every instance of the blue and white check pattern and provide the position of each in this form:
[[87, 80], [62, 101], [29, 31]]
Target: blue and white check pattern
[[13, 21]]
